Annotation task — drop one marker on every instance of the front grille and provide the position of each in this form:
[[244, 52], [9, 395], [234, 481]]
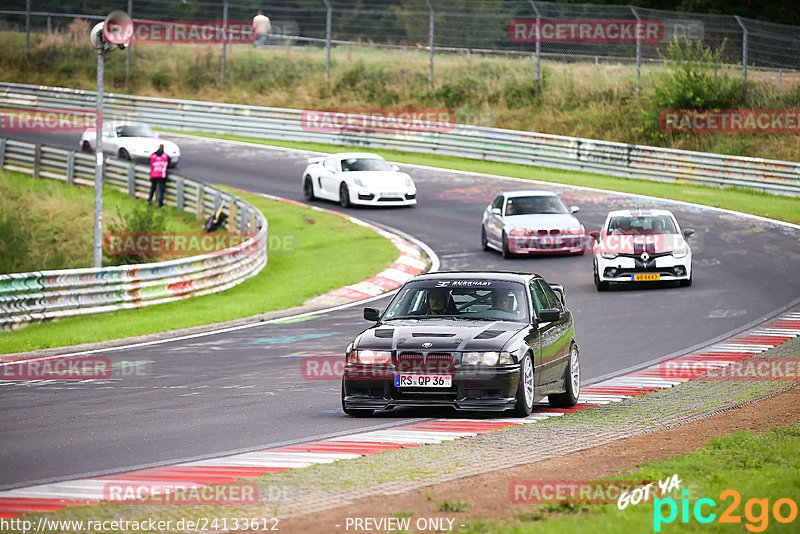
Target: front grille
[[390, 199], [433, 363]]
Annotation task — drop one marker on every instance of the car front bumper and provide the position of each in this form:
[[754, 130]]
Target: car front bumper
[[624, 269], [563, 244], [376, 198], [490, 389]]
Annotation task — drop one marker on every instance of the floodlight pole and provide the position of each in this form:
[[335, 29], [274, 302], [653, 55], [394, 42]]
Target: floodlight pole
[[97, 250]]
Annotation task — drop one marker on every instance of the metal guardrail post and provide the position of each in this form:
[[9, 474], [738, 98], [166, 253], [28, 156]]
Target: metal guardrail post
[[243, 219], [224, 41], [128, 48], [328, 29], [217, 202], [179, 194], [538, 45], [638, 50], [37, 160], [2, 152], [200, 207], [431, 27], [232, 216], [131, 179], [27, 28], [744, 57], [71, 168]]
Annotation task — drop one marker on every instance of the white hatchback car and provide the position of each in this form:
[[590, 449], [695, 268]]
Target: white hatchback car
[[358, 178], [642, 246], [531, 222], [130, 141]]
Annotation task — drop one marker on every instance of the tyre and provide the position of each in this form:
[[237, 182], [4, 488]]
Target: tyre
[[484, 240], [572, 383], [354, 412], [344, 196], [601, 286], [308, 189], [123, 154], [506, 253], [86, 147], [524, 405]]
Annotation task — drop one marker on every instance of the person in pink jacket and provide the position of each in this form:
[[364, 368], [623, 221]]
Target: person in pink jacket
[[159, 161]]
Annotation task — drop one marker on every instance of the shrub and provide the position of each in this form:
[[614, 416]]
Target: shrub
[[141, 219]]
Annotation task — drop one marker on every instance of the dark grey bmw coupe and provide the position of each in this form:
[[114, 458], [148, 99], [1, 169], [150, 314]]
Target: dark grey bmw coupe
[[490, 341]]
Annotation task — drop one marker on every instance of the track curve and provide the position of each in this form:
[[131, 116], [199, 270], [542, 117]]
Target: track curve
[[243, 389]]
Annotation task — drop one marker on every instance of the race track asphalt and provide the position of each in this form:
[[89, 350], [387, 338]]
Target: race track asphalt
[[242, 390]]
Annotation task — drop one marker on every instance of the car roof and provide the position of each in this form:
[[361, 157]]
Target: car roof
[[507, 276], [348, 155], [638, 212], [529, 193]]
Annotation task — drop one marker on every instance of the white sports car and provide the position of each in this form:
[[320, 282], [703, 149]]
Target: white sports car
[[531, 222], [642, 246], [130, 141], [358, 178]]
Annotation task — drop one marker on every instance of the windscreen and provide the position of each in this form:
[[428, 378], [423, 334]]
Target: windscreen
[[535, 205], [135, 130], [468, 299], [650, 224], [365, 164]]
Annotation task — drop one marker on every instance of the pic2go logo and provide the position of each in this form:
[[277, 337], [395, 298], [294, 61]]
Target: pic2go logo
[[756, 511]]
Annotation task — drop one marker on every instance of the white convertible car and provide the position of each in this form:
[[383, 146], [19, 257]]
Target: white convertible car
[[130, 141], [642, 246], [358, 178]]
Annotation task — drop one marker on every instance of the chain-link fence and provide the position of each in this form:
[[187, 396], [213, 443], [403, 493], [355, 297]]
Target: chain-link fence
[[430, 29]]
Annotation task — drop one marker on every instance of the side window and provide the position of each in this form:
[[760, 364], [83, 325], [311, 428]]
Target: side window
[[538, 297], [498, 202], [329, 164], [552, 298]]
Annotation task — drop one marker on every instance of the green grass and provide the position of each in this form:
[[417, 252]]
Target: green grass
[[46, 224], [453, 506], [763, 204], [757, 467], [301, 237]]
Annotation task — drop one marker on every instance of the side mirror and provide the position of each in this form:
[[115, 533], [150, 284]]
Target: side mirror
[[558, 289], [574, 209], [595, 234], [548, 315], [496, 211], [689, 232], [372, 314]]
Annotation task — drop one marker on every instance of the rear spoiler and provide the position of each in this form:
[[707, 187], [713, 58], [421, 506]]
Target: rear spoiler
[[315, 159]]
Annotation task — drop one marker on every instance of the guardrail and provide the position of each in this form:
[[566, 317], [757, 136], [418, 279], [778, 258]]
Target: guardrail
[[476, 142], [45, 295]]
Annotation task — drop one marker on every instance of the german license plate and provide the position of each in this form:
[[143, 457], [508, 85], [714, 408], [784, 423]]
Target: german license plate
[[423, 381], [391, 195], [646, 277]]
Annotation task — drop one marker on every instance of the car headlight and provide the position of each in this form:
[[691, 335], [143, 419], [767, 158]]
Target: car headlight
[[520, 232], [359, 182], [609, 255], [575, 230], [409, 182], [681, 251], [369, 357], [486, 358]]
